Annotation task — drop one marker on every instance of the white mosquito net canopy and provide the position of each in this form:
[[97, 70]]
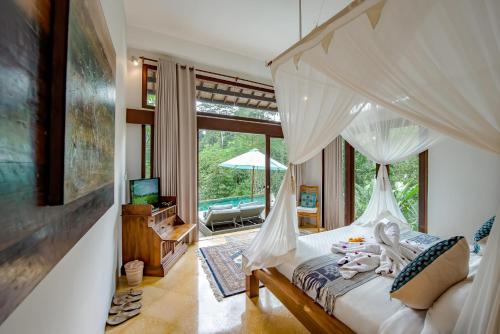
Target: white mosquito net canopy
[[389, 76], [385, 137]]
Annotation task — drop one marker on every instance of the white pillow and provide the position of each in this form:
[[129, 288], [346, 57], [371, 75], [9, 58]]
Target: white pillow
[[404, 321], [443, 314]]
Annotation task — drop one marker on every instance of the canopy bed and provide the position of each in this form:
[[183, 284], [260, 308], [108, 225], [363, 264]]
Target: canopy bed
[[391, 77]]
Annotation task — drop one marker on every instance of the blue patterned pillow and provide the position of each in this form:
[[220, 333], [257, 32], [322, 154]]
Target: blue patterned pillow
[[481, 233], [307, 200], [432, 272]]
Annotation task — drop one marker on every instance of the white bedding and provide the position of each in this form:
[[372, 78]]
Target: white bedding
[[364, 308]]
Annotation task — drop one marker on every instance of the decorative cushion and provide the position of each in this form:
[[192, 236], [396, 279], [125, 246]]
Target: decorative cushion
[[307, 210], [481, 236], [431, 273], [308, 200]]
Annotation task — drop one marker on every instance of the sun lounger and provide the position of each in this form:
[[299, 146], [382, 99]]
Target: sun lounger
[[220, 217], [250, 211]]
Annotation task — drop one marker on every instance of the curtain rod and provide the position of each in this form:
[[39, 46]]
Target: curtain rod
[[215, 73]]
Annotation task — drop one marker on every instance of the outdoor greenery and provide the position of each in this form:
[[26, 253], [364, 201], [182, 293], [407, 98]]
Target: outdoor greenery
[[151, 99], [147, 152], [404, 180], [215, 147], [364, 175]]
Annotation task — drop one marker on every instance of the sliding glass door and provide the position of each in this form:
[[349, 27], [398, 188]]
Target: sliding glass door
[[278, 157], [231, 168], [241, 162]]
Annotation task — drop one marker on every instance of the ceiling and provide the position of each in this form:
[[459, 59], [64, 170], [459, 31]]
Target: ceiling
[[259, 29]]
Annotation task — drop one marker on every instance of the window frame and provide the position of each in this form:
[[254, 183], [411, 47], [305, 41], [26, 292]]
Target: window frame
[[143, 118], [145, 68], [143, 150]]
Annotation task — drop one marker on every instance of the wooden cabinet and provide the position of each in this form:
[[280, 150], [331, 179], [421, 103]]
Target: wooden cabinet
[[158, 238]]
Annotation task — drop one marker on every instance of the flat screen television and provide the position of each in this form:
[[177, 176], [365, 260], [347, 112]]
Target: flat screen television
[[145, 191]]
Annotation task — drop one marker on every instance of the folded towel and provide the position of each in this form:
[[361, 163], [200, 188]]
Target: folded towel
[[387, 257]]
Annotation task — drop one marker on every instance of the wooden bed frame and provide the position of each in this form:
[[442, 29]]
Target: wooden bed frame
[[310, 314]]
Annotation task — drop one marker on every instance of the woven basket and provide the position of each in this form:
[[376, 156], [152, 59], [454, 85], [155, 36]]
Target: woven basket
[[134, 269]]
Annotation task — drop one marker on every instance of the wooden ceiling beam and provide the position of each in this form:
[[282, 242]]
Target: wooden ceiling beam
[[234, 83], [267, 108]]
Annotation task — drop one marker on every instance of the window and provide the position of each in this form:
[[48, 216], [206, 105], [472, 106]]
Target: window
[[148, 86], [404, 178], [237, 111], [408, 179], [364, 172], [215, 94], [147, 151]]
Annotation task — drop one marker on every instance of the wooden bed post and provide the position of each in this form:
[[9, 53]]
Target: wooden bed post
[[252, 285]]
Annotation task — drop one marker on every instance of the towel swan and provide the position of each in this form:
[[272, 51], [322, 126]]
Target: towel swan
[[387, 257]]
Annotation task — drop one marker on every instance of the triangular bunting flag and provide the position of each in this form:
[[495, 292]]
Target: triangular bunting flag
[[325, 43], [374, 13], [296, 60]]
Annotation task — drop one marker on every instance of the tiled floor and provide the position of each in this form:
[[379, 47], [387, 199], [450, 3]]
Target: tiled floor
[[183, 302]]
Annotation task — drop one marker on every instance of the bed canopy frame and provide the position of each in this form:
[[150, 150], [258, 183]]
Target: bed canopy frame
[[401, 73]]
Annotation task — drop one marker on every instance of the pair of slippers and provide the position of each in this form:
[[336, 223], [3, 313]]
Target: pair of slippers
[[126, 305]]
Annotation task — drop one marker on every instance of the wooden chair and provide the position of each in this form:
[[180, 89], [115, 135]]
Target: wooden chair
[[313, 212]]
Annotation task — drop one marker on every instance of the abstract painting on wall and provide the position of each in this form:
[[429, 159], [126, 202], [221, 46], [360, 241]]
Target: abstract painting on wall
[[88, 116], [57, 93]]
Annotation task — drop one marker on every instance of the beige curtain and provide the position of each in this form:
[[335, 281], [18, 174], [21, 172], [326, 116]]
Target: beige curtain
[[175, 135], [334, 198], [298, 175], [166, 134], [187, 194]]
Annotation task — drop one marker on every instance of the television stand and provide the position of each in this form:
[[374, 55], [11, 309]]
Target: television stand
[[156, 237]]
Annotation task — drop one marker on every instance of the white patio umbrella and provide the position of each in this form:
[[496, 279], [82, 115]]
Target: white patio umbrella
[[252, 160]]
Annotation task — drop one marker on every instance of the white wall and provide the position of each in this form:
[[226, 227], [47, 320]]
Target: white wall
[[133, 85], [464, 188], [203, 56], [74, 297]]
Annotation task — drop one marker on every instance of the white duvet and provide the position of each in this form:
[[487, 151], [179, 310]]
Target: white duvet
[[367, 308]]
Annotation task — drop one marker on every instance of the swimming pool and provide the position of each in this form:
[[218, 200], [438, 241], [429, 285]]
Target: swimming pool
[[235, 201]]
